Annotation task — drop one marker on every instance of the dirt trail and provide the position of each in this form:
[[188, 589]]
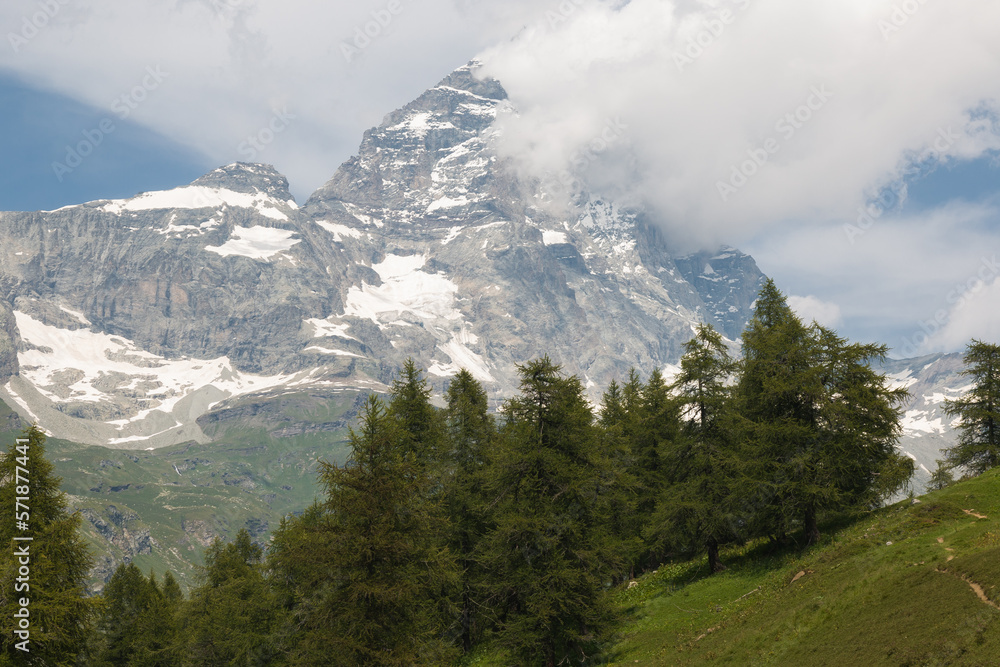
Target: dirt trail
[[976, 588]]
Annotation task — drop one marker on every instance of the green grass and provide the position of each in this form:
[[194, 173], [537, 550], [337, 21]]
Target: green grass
[[860, 601], [260, 467]]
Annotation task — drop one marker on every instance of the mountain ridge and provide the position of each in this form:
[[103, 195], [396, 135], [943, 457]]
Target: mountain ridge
[[123, 321]]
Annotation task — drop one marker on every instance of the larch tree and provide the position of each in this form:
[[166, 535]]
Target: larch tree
[[696, 510], [821, 425], [550, 553], [372, 594], [60, 614], [471, 433], [978, 412], [232, 616]]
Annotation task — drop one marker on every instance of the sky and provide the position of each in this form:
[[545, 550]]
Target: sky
[[850, 147]]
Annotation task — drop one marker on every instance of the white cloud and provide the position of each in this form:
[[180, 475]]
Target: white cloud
[[879, 103], [573, 67], [810, 309], [893, 283], [974, 305], [232, 64]]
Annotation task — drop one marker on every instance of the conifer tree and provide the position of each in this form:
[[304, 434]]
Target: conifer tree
[[60, 615], [820, 424], [622, 495], [371, 594], [941, 477], [697, 509], [470, 434], [421, 428], [137, 619], [978, 446], [549, 552], [232, 615]]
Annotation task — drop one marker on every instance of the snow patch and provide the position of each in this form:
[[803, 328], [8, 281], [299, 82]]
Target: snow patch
[[448, 202], [461, 357], [188, 230], [404, 289], [159, 383], [326, 328], [196, 197], [554, 238], [256, 242], [419, 124], [916, 421], [339, 231], [76, 314], [339, 353], [452, 235]]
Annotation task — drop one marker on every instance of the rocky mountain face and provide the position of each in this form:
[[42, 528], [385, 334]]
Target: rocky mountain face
[[122, 322], [926, 428]]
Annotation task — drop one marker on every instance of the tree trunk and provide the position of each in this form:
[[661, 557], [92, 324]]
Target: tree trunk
[[466, 622], [811, 526], [713, 557]]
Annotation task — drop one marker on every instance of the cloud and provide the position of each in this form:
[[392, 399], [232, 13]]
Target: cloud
[[743, 115], [811, 309], [233, 64], [972, 310], [902, 281]]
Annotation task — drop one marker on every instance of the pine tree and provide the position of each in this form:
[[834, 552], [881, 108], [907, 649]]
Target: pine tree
[[420, 425], [623, 491], [978, 446], [370, 593], [697, 509], [941, 477], [137, 619], [549, 553], [60, 615], [470, 434], [820, 424], [232, 616]]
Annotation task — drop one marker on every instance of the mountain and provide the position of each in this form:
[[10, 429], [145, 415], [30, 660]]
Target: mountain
[[926, 428], [127, 323], [209, 344]]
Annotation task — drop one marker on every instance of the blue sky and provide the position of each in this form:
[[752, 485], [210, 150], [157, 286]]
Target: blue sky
[[697, 85], [41, 127]]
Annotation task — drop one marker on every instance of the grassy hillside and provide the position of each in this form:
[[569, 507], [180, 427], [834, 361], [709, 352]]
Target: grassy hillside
[[900, 586], [896, 588], [160, 508]]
